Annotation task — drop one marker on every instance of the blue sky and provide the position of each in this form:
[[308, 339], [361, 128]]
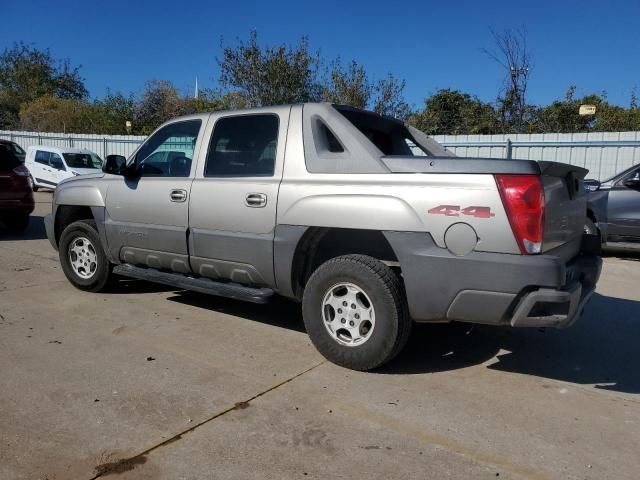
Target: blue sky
[[432, 45]]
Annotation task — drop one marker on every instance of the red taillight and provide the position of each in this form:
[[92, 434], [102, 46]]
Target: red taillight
[[523, 199]]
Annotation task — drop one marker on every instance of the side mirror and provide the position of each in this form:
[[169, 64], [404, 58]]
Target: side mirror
[[114, 164], [633, 181], [591, 185]]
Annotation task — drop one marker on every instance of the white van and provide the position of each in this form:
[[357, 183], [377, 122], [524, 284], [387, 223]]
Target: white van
[[50, 165]]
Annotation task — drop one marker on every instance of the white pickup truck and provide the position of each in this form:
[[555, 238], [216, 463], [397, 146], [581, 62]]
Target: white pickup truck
[[365, 220]]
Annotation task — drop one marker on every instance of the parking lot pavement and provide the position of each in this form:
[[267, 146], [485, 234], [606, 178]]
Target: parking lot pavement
[[149, 383]]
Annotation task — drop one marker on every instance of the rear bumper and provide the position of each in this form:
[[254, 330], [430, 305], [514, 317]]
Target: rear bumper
[[548, 290]]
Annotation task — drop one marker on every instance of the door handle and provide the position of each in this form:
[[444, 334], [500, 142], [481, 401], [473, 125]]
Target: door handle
[[178, 195], [255, 200]]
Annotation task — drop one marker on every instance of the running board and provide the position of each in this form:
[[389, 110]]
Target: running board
[[196, 284]]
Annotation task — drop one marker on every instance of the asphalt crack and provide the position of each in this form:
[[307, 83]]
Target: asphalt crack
[[130, 463]]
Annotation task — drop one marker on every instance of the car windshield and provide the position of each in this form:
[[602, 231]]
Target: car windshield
[[621, 174], [82, 160]]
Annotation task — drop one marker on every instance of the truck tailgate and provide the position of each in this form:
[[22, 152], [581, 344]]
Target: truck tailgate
[[565, 205]]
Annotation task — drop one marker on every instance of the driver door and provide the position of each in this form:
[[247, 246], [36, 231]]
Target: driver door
[[147, 210]]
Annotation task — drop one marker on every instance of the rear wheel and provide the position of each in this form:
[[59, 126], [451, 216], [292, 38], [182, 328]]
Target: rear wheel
[[82, 258], [355, 312]]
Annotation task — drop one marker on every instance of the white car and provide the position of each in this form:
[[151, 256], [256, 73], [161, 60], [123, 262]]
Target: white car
[[48, 166]]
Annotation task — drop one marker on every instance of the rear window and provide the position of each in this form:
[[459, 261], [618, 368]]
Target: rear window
[[390, 136], [82, 160], [8, 160], [13, 147], [42, 157]]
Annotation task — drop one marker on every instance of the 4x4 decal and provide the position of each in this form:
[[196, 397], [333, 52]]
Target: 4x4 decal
[[456, 211]]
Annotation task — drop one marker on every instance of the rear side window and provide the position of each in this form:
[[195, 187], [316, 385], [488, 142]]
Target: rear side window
[[42, 157], [243, 146], [390, 136], [55, 161]]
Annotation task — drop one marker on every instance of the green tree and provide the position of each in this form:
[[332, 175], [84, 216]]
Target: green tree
[[27, 73], [211, 100], [160, 102], [563, 115], [389, 99], [52, 114], [112, 112], [452, 112], [348, 85], [270, 75]]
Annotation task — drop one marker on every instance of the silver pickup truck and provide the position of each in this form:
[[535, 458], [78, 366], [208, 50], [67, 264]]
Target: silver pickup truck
[[368, 222]]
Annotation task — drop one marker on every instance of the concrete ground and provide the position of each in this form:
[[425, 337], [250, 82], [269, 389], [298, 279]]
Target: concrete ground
[[149, 383]]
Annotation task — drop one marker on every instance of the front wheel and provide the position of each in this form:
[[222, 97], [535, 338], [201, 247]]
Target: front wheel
[[82, 258], [355, 312]]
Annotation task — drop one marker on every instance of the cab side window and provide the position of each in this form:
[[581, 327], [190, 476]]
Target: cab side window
[[42, 157], [243, 146], [55, 161], [169, 152]]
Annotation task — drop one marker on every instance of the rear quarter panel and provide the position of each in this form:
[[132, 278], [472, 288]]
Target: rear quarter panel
[[397, 202], [389, 201]]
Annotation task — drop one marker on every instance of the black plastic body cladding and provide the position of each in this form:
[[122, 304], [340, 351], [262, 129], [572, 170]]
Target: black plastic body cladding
[[480, 287]]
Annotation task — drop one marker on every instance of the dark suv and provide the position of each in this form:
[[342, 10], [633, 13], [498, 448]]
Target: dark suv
[[613, 209], [16, 196]]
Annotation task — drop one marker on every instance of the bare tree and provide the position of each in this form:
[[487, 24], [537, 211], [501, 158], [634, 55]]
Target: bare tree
[[512, 53]]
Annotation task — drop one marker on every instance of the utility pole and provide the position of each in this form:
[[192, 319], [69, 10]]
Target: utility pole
[[195, 94]]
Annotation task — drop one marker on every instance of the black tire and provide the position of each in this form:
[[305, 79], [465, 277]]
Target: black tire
[[34, 187], [392, 323], [590, 227], [101, 275], [18, 222]]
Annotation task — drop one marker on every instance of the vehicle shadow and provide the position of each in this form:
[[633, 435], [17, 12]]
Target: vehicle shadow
[[279, 312], [35, 230], [600, 349], [124, 285]]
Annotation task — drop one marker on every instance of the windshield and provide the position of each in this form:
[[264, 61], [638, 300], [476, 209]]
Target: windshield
[[82, 160], [620, 174]]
